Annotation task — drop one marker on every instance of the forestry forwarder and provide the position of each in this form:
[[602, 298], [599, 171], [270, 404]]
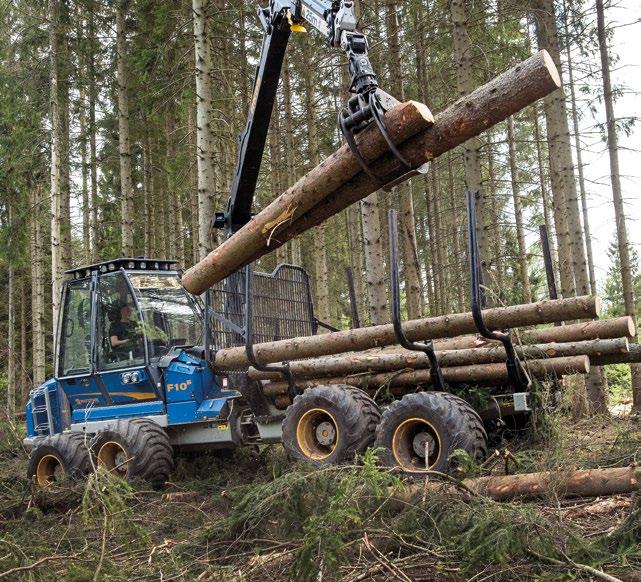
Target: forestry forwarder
[[133, 383]]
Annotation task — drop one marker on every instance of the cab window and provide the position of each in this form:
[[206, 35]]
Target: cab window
[[120, 332], [75, 341], [169, 316]]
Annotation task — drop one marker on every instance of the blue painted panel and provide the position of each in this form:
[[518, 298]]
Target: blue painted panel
[[31, 431], [123, 391], [123, 411], [181, 412], [83, 392], [211, 408]]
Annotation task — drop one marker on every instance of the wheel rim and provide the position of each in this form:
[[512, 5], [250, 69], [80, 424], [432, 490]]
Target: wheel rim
[[112, 457], [49, 471], [409, 443], [317, 434]]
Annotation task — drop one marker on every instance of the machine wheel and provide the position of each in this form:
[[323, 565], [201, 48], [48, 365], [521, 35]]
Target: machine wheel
[[137, 448], [429, 422], [330, 424], [59, 457]]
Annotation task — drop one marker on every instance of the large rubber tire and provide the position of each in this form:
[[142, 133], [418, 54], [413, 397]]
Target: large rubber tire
[[442, 422], [59, 458], [330, 424], [137, 448]]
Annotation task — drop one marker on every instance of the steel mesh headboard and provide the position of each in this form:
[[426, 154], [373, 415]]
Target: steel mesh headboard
[[282, 307]]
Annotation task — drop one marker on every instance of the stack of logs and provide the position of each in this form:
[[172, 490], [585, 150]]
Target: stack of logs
[[370, 358]]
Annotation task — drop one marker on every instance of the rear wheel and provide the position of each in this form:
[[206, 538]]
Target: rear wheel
[[330, 424], [420, 432], [58, 458], [136, 448]]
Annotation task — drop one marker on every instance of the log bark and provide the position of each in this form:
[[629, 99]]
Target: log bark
[[402, 122], [483, 374], [547, 311], [471, 115], [390, 362], [620, 327], [587, 330], [585, 483], [633, 356]]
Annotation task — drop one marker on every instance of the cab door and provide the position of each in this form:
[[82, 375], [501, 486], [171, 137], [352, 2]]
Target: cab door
[[121, 350], [74, 367]]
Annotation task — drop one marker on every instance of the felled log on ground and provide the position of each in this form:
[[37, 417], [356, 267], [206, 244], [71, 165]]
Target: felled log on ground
[[454, 325], [588, 483], [481, 374], [633, 356], [326, 191], [389, 362]]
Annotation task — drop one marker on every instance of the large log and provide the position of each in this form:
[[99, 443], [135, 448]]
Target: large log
[[586, 330], [585, 483], [393, 361], [403, 121], [479, 374], [309, 206], [547, 311], [619, 327], [632, 357], [468, 117]]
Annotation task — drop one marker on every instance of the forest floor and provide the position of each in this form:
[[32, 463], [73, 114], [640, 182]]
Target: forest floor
[[258, 517]]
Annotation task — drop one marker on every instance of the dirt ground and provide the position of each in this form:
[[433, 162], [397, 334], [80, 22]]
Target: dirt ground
[[257, 517]]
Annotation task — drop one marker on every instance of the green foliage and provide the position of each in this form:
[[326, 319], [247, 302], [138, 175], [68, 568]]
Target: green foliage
[[612, 291], [619, 383]]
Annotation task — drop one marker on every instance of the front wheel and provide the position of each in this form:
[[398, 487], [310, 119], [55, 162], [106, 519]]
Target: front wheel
[[137, 448], [330, 424], [59, 458], [420, 432]]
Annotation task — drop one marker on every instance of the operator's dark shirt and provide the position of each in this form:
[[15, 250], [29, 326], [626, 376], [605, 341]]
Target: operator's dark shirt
[[124, 331]]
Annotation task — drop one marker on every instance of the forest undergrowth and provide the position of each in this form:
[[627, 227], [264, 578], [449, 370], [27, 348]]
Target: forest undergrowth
[[259, 517]]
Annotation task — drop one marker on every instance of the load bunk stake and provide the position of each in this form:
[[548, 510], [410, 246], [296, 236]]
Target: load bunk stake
[[516, 372], [427, 348]]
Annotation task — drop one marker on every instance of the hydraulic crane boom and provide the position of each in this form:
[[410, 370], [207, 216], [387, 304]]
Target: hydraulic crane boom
[[337, 21]]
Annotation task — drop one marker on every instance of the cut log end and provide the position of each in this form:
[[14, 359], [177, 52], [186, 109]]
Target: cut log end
[[551, 67]]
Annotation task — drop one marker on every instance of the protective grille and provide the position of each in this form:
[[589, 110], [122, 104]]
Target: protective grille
[[282, 307]]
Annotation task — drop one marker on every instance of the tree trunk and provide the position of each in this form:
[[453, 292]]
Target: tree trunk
[[451, 325], [473, 180], [560, 484], [205, 139], [38, 325], [407, 222], [545, 197], [524, 274], [193, 184], [485, 374], [573, 265], [93, 156], [124, 147], [487, 106], [58, 189], [12, 356], [321, 272], [375, 272], [631, 357], [388, 361], [617, 194], [599, 329]]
